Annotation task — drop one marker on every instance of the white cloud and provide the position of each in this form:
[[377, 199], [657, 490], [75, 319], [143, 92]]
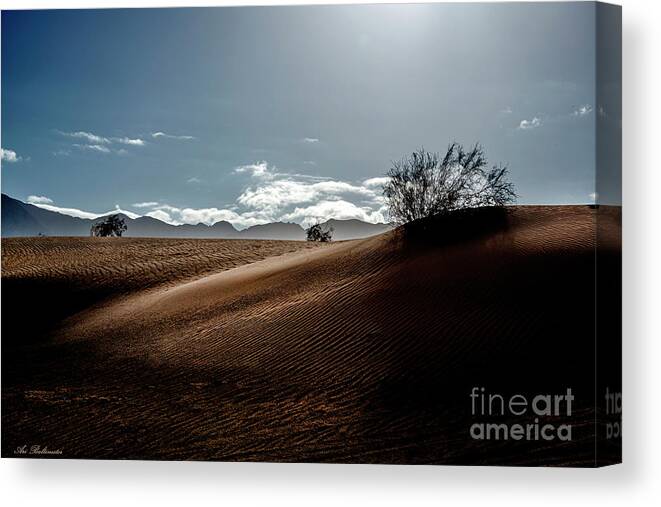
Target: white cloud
[[99, 143], [208, 216], [78, 213], [93, 147], [506, 110], [193, 180], [530, 124], [39, 199], [72, 212], [211, 216], [310, 140], [170, 136], [583, 110], [262, 171], [132, 142], [98, 147], [161, 215], [376, 182], [259, 170], [148, 204], [88, 136], [61, 153], [117, 209], [274, 196], [341, 210], [8, 155], [271, 196], [341, 187], [276, 193]]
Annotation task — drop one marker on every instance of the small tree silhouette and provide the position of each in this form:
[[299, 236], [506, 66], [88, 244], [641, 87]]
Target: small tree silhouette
[[112, 225], [317, 233], [424, 185]]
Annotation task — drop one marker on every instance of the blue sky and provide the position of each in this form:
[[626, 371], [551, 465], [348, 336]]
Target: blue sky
[[289, 113]]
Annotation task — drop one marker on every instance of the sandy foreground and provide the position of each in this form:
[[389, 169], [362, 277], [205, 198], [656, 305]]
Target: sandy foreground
[[361, 351]]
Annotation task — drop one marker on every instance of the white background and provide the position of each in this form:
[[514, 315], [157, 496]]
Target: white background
[[636, 482]]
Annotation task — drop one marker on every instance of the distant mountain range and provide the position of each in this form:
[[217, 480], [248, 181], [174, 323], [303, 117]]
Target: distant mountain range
[[22, 219]]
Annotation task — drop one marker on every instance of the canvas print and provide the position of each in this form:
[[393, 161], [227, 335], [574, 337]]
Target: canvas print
[[344, 234]]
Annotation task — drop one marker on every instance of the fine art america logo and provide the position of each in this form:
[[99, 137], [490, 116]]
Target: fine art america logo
[[487, 406]]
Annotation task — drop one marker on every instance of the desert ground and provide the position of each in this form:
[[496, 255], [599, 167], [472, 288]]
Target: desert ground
[[362, 351]]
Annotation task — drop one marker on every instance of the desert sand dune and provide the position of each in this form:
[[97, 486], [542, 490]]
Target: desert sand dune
[[348, 352], [49, 279]]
